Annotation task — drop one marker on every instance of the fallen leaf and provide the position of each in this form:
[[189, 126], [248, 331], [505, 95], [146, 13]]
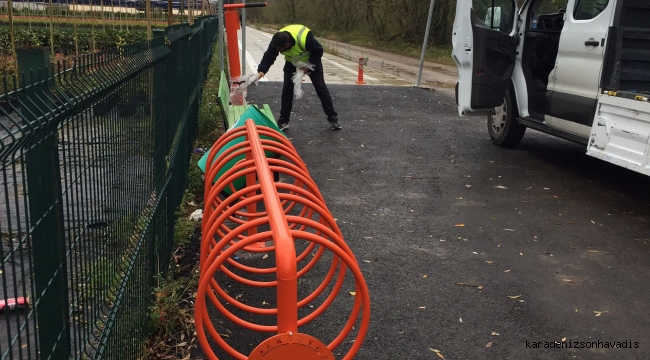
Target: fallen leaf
[[367, 237], [468, 186], [330, 179], [520, 253], [494, 333], [488, 344], [593, 251], [353, 293], [521, 300], [507, 270], [598, 313], [593, 222], [488, 261], [264, 303], [366, 261], [470, 285], [459, 225], [424, 276], [563, 339], [265, 256], [514, 296], [437, 353], [182, 344], [569, 281], [460, 319], [508, 229], [500, 187], [423, 307]]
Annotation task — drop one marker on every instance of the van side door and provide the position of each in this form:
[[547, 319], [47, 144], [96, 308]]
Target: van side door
[[577, 73], [484, 47]]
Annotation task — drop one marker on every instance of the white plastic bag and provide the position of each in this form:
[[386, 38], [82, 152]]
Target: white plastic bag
[[253, 79], [239, 92], [197, 215], [297, 77]]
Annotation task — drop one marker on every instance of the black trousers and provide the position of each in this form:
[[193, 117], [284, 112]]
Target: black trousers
[[317, 79]]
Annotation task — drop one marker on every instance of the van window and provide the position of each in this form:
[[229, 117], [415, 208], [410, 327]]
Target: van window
[[551, 7], [495, 14], [589, 9]]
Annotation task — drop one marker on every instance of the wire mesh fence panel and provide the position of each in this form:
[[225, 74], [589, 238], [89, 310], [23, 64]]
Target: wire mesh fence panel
[[94, 156]]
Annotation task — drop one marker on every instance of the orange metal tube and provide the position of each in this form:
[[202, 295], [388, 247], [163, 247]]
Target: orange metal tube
[[231, 18], [285, 252], [293, 213]]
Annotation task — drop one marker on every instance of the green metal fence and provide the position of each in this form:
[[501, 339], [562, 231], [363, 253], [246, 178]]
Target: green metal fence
[[94, 158]]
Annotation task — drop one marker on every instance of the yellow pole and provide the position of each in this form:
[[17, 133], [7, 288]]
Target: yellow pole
[[148, 14], [11, 33], [101, 8], [29, 14], [170, 12], [74, 24], [51, 30]]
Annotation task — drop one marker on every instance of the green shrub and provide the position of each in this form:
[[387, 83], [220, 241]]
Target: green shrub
[[64, 39]]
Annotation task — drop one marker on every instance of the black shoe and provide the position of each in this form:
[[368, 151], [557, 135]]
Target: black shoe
[[283, 124], [334, 122]]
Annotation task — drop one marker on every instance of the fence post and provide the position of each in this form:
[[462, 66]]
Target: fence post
[[159, 258], [46, 218]]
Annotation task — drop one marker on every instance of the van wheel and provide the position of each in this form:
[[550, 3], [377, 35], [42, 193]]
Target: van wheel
[[503, 127]]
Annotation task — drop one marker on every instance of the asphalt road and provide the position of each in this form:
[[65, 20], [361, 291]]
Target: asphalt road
[[473, 250], [469, 249]]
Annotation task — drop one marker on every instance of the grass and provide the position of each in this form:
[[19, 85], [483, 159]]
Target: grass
[[210, 122]]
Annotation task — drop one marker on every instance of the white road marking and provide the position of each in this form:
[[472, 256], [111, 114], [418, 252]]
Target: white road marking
[[347, 69], [252, 64]]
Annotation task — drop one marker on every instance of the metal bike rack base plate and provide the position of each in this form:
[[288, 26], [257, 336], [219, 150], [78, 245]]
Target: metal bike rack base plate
[[294, 346]]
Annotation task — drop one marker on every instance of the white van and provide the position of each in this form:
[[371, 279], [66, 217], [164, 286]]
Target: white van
[[577, 69]]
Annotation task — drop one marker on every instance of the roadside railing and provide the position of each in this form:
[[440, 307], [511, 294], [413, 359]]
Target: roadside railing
[[94, 159]]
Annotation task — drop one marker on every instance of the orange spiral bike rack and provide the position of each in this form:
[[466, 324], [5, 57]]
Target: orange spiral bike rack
[[247, 211]]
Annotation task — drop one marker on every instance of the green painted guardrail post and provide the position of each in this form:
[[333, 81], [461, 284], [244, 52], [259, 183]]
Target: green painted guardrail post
[[160, 248], [45, 213]]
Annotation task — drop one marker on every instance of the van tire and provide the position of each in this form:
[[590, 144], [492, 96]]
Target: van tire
[[503, 127]]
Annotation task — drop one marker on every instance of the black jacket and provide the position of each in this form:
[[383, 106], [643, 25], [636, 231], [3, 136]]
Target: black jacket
[[311, 44]]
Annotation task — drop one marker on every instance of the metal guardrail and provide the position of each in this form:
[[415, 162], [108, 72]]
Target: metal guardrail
[[94, 159]]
